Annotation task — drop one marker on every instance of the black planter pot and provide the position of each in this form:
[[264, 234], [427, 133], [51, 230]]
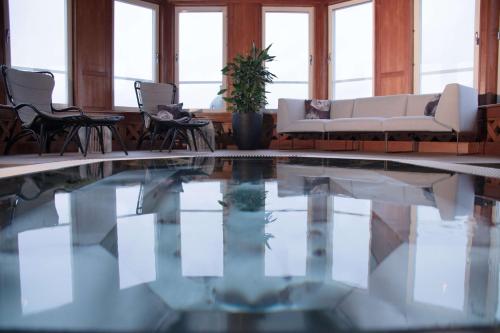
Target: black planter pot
[[247, 130]]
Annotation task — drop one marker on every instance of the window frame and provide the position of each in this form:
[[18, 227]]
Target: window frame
[[69, 50], [331, 49], [202, 9], [295, 9], [156, 50], [417, 45]]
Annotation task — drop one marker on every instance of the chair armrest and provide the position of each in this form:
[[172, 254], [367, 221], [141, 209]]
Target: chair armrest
[[24, 105], [69, 109]]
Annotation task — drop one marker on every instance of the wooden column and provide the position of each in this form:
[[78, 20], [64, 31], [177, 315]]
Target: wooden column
[[393, 47], [488, 51], [93, 54], [320, 52], [167, 42]]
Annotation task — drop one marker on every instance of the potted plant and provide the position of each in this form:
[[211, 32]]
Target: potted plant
[[247, 97]]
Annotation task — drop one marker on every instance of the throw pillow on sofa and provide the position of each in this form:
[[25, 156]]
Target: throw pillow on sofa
[[430, 108], [317, 109]]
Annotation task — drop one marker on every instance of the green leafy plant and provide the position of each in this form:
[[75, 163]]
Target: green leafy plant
[[249, 77]]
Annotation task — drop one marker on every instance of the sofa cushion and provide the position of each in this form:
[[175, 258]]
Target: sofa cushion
[[368, 124], [381, 106], [306, 125], [317, 109], [414, 123], [341, 108], [417, 103]]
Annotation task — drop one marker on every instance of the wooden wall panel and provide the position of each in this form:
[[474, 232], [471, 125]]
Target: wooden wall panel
[[93, 54], [393, 47], [320, 52], [488, 51], [244, 25], [167, 43]]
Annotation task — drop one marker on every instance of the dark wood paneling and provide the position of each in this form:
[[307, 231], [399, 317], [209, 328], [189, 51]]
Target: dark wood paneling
[[244, 25], [167, 43], [93, 54], [393, 47], [3, 44], [488, 51]]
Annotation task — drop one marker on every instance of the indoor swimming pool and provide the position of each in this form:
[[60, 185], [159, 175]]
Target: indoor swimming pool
[[240, 244]]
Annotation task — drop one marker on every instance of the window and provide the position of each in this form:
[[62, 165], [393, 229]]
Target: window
[[135, 48], [351, 50], [445, 44], [39, 40], [289, 30], [201, 55]]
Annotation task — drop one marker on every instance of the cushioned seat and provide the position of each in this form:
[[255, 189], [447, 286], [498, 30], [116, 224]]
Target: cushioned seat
[[414, 123], [307, 125], [367, 124]]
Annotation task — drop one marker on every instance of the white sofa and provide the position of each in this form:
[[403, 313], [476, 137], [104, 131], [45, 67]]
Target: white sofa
[[455, 113]]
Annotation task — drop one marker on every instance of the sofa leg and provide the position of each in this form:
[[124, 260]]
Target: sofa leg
[[458, 139], [386, 142]]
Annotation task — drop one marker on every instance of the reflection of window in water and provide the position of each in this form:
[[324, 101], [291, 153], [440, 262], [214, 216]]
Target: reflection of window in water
[[440, 259], [202, 242], [136, 249], [351, 241], [287, 251], [45, 268], [63, 207]]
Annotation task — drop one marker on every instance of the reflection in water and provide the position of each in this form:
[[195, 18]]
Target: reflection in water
[[136, 250], [351, 241], [192, 244], [446, 260], [45, 268]]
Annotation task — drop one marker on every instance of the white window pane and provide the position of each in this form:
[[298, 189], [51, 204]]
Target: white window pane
[[351, 241], [125, 93], [435, 83], [134, 49], [285, 90], [198, 96], [441, 248], [447, 39], [45, 268], [201, 196], [287, 251], [38, 42], [353, 89], [202, 244], [136, 250], [201, 47], [352, 50], [274, 202], [292, 54]]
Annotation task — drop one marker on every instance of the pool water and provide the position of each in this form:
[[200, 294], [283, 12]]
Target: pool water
[[264, 245]]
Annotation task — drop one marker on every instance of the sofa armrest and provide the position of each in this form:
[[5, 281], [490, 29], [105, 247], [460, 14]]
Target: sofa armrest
[[289, 110], [457, 108]]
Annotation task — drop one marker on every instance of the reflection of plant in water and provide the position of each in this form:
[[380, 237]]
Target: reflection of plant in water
[[245, 199], [269, 218]]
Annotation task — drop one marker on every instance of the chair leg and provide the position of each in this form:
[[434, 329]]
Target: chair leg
[[458, 139], [141, 139], [194, 139], [13, 140], [87, 139], [100, 134], [167, 135], [174, 136], [205, 139], [117, 135], [153, 137], [386, 142], [71, 134]]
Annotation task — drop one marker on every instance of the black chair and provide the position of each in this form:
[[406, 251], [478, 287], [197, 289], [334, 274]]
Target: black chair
[[30, 94], [149, 96]]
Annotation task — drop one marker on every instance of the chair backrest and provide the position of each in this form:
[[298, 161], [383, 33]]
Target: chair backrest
[[150, 95], [33, 88]]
